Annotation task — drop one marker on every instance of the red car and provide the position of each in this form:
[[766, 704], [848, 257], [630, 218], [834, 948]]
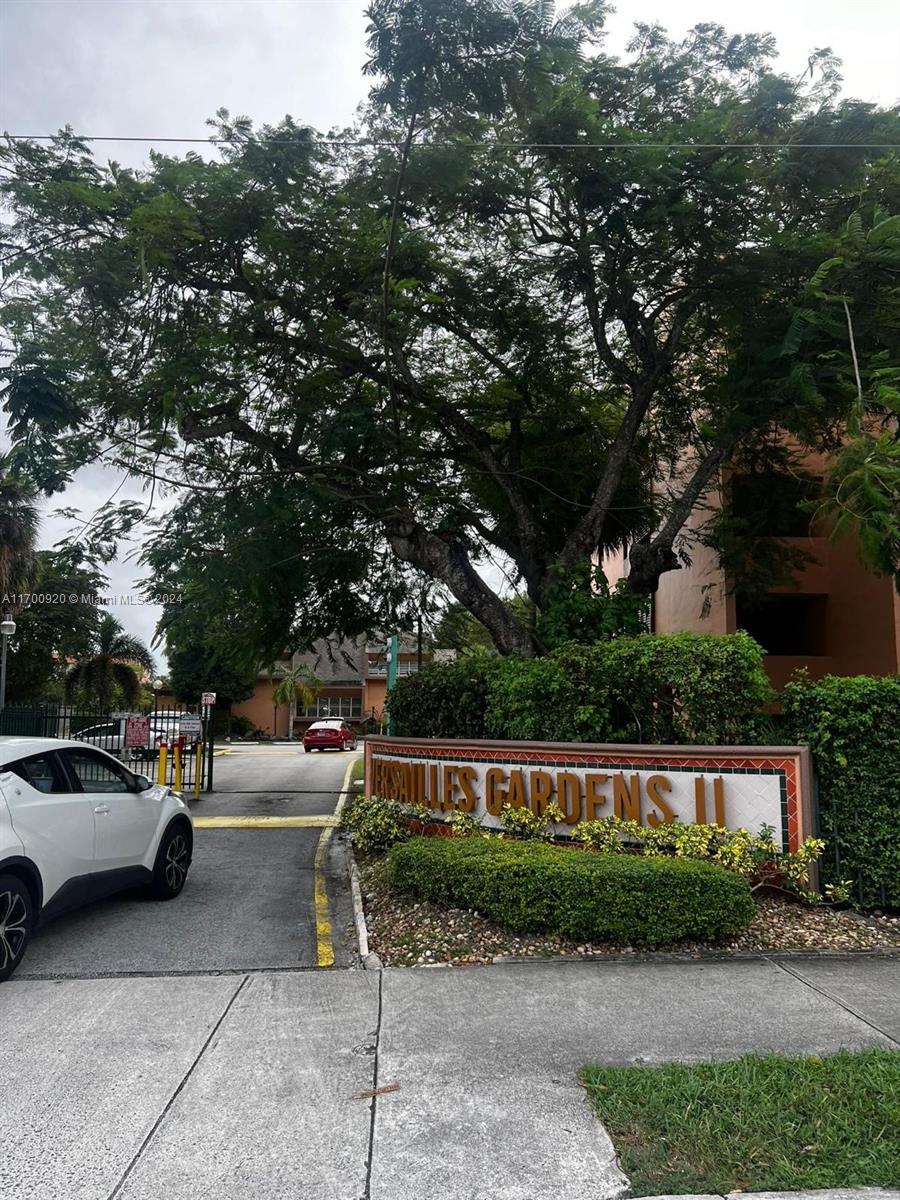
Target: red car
[[329, 735]]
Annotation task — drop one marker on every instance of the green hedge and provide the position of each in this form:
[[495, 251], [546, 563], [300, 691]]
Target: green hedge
[[529, 887], [679, 688], [852, 725], [443, 700]]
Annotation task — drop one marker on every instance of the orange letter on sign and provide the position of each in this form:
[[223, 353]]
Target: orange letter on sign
[[700, 799], [627, 798], [593, 797], [568, 795], [655, 785], [517, 788], [541, 784], [467, 777], [449, 787], [719, 799], [495, 793]]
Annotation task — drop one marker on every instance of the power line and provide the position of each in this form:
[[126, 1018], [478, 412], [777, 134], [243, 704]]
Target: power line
[[374, 144]]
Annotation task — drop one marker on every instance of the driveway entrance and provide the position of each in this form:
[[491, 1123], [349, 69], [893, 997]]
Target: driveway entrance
[[249, 902]]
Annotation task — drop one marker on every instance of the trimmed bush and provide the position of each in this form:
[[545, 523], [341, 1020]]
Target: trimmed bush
[[444, 699], [530, 887], [852, 725], [680, 688]]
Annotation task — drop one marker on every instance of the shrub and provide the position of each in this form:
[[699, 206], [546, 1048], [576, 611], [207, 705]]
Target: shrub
[[530, 887], [678, 688], [376, 824], [443, 700], [523, 823], [852, 726]]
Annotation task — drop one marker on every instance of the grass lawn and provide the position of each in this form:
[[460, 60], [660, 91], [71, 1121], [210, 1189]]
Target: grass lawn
[[756, 1124], [359, 769]]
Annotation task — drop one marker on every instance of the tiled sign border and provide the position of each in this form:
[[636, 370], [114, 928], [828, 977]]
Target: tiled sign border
[[790, 763]]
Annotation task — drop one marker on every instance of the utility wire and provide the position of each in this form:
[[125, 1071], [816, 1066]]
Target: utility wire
[[490, 145]]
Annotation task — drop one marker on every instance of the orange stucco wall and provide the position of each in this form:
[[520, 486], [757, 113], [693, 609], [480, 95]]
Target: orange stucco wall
[[261, 711], [862, 612], [374, 695]]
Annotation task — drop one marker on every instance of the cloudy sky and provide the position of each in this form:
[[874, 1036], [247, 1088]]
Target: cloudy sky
[[159, 68]]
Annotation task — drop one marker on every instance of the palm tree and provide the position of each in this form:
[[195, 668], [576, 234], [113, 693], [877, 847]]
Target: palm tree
[[299, 687], [116, 661], [18, 530]]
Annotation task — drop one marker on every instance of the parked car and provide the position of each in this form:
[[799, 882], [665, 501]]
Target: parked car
[[332, 734], [77, 825], [110, 736]]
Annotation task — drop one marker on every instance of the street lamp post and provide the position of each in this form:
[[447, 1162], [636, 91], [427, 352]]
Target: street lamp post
[[7, 629]]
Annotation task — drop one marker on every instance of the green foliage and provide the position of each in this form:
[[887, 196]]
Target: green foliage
[[579, 606], [758, 1124], [196, 667], [297, 689], [49, 634], [111, 670], [18, 532], [456, 629], [367, 373], [524, 824], [679, 688], [530, 887], [443, 697], [755, 857], [852, 726], [376, 824]]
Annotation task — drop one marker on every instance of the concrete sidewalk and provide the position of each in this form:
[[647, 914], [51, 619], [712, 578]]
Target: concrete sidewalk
[[240, 1087]]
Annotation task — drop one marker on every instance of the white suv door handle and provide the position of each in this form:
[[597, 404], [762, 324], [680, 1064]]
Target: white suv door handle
[[102, 808]]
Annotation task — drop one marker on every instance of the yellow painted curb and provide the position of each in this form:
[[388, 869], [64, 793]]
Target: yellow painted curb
[[264, 822], [324, 940]]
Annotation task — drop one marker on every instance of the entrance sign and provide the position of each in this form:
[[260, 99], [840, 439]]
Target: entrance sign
[[735, 786], [189, 726], [137, 732], [208, 699]]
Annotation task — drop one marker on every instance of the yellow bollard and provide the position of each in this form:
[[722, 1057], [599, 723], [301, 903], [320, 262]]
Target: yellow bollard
[[177, 752], [198, 769], [161, 770]]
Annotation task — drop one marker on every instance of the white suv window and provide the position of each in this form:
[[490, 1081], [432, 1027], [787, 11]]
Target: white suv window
[[96, 773], [41, 771]]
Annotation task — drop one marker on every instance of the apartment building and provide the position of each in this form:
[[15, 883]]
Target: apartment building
[[354, 678], [835, 618]]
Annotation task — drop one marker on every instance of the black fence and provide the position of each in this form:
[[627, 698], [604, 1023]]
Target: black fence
[[114, 731]]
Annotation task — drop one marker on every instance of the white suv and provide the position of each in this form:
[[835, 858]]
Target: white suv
[[76, 825]]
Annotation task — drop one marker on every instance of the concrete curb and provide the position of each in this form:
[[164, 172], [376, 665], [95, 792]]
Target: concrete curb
[[709, 956], [369, 960]]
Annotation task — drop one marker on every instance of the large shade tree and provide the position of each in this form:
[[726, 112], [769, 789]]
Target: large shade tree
[[528, 308]]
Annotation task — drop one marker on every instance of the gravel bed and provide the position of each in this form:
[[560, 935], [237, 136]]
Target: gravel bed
[[406, 933]]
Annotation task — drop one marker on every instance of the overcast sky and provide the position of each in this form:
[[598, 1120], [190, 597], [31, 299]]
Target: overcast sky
[[159, 68]]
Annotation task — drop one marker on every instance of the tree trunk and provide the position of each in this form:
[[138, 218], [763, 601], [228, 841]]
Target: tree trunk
[[292, 708], [447, 561]]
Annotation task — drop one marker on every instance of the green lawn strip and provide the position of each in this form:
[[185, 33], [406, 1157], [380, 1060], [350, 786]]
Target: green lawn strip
[[358, 770], [756, 1124]]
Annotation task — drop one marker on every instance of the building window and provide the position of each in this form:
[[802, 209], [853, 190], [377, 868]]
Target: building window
[[770, 504], [785, 625], [404, 667], [347, 707]]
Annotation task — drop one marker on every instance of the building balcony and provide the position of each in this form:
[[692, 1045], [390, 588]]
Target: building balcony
[[379, 670]]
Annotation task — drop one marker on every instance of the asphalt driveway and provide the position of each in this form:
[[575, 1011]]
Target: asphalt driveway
[[249, 900]]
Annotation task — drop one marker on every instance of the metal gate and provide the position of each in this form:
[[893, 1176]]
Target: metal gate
[[167, 754]]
